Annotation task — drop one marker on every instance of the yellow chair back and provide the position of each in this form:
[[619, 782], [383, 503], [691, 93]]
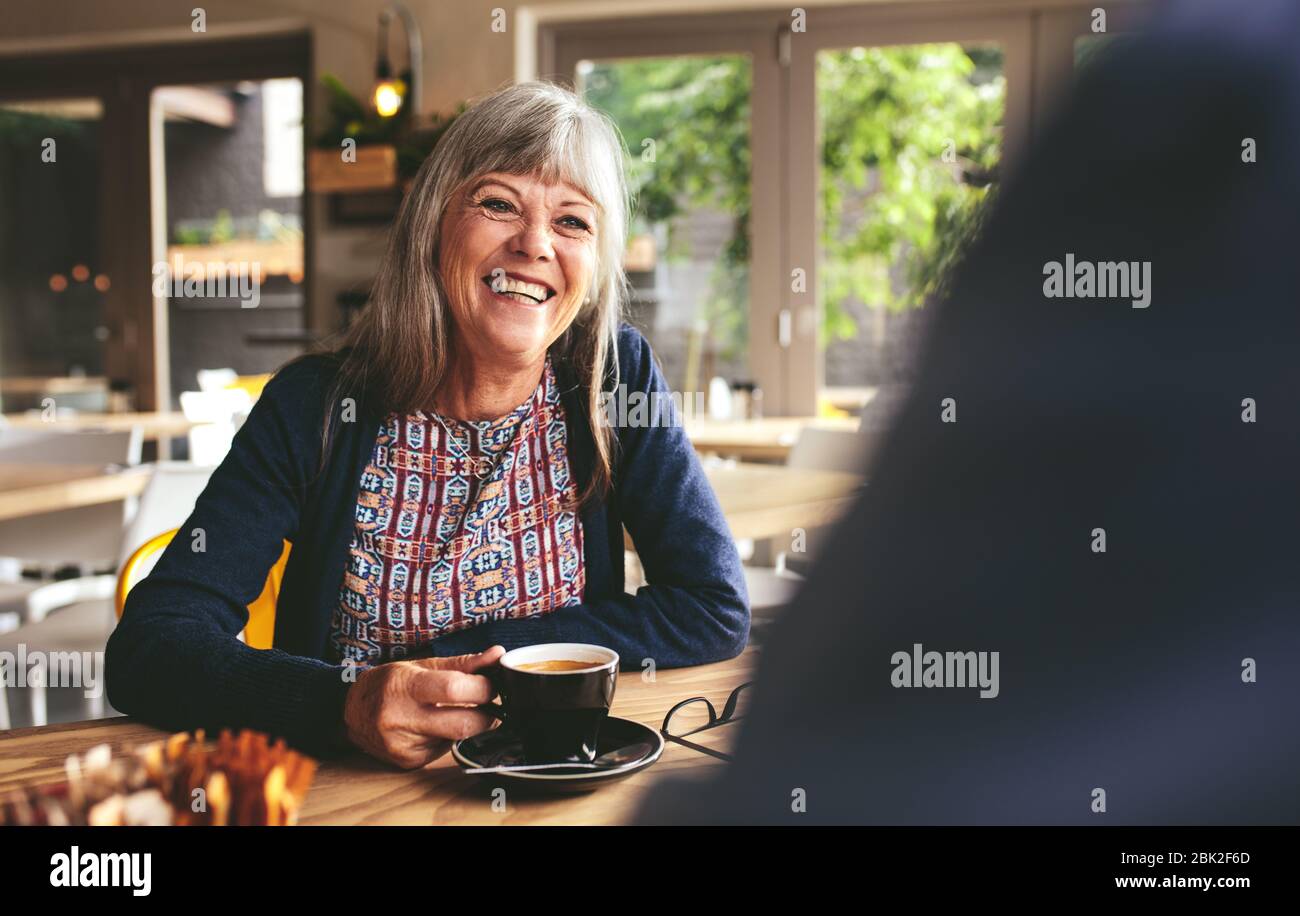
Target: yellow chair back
[[260, 631], [253, 384]]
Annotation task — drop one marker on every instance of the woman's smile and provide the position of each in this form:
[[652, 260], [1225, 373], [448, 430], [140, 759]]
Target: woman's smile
[[518, 290]]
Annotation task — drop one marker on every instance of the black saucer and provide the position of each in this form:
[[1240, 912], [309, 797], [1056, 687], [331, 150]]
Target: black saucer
[[501, 747]]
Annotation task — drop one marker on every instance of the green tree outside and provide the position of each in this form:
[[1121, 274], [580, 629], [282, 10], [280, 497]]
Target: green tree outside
[[911, 137]]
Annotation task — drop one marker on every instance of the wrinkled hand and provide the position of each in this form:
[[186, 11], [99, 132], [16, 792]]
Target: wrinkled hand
[[410, 712]]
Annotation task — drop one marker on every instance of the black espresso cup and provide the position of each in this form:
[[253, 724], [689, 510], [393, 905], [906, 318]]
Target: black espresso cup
[[555, 697]]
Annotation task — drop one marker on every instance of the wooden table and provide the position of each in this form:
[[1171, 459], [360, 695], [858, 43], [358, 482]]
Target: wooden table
[[767, 500], [53, 384], [767, 439], [33, 489], [360, 790], [154, 424]]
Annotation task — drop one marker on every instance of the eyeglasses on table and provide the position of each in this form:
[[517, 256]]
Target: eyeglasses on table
[[715, 721]]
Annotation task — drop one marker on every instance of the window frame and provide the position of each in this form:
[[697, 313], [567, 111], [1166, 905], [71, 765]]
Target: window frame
[[754, 36], [1037, 37]]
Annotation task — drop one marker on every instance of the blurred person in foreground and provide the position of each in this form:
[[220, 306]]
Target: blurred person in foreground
[[1161, 670]]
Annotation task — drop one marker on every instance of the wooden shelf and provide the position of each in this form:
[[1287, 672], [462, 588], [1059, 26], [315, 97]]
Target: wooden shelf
[[276, 259], [374, 170]]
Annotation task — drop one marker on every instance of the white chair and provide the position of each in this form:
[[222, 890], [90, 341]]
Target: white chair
[[217, 414], [77, 615], [13, 593], [88, 536], [873, 428], [167, 500], [772, 588], [72, 616]]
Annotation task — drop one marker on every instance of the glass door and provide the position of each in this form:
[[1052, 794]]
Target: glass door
[[869, 136], [686, 122], [899, 134], [910, 149]]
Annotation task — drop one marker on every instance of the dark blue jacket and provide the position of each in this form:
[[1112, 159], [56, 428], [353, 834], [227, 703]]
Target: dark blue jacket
[[175, 661]]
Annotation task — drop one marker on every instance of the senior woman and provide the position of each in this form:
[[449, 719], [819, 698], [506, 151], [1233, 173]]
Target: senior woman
[[447, 476]]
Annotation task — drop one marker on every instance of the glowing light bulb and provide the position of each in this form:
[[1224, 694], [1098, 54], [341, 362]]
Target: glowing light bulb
[[388, 98]]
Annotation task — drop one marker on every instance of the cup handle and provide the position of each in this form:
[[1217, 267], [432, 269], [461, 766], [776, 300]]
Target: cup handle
[[493, 709]]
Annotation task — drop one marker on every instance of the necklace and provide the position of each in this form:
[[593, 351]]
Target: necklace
[[482, 468]]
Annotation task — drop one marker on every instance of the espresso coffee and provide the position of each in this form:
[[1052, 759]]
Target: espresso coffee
[[555, 697], [556, 664]]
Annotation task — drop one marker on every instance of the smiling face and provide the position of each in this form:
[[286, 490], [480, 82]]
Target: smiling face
[[517, 258]]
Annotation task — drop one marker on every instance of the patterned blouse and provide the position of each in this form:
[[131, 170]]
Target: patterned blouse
[[435, 550]]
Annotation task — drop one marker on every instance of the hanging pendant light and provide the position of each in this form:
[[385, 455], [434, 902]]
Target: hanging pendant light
[[393, 93]]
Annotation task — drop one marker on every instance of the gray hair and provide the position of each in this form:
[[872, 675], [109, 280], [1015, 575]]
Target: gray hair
[[396, 350]]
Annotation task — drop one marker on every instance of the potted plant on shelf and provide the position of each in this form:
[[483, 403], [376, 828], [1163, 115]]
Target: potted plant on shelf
[[384, 153]]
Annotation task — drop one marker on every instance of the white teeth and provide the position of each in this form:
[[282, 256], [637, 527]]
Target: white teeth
[[507, 285]]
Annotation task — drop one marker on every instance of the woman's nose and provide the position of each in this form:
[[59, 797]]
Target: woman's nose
[[534, 240]]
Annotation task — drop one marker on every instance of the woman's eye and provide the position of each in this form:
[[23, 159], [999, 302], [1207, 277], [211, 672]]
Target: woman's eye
[[497, 205]]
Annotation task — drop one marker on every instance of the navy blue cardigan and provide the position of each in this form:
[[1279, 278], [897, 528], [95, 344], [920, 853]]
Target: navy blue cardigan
[[175, 660]]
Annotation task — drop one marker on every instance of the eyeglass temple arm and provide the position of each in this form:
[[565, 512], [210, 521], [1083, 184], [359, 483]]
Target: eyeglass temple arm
[[697, 747]]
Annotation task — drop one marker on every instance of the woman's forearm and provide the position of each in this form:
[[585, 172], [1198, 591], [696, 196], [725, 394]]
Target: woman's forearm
[[174, 672]]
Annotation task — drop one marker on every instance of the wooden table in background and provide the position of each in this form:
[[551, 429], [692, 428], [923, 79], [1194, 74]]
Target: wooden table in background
[[770, 500], [155, 424], [53, 384], [359, 790], [766, 439], [33, 489]]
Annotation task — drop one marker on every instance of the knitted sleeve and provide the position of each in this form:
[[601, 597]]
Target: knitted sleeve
[[175, 659]]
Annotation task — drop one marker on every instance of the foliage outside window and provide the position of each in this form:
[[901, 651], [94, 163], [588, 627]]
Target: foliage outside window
[[896, 212], [910, 144], [686, 123]]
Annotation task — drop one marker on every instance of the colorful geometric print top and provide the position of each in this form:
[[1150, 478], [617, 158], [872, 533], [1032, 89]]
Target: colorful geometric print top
[[436, 550]]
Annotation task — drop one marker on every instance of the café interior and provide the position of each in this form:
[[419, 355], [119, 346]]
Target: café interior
[[178, 223]]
